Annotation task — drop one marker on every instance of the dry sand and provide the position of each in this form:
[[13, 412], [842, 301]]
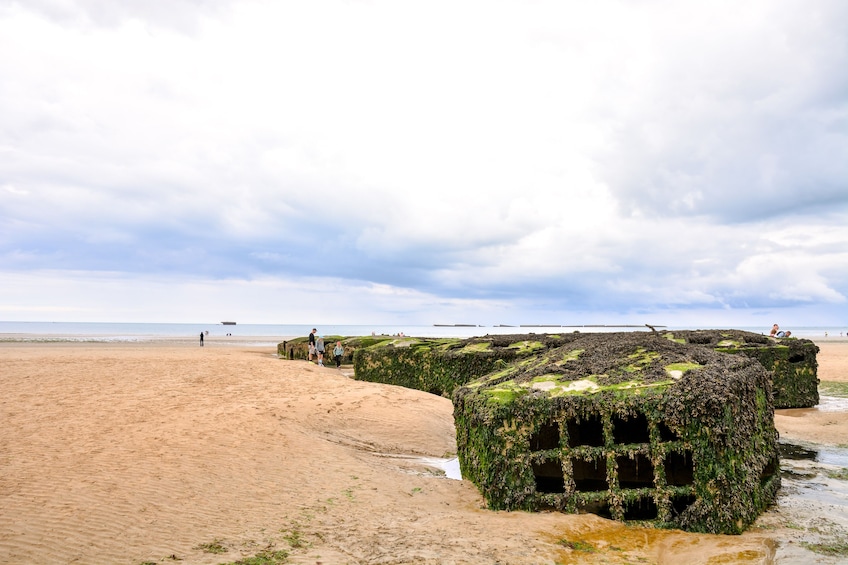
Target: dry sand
[[133, 453]]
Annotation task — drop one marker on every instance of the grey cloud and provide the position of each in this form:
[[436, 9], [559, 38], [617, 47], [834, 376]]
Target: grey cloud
[[734, 168], [757, 135]]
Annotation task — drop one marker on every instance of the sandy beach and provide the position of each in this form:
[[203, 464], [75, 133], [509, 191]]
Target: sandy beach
[[160, 452]]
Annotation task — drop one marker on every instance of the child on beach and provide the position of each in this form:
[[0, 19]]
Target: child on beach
[[319, 348], [338, 351]]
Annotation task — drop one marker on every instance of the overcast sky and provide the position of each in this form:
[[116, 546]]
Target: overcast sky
[[395, 162]]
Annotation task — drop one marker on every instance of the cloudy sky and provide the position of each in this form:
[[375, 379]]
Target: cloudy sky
[[405, 162]]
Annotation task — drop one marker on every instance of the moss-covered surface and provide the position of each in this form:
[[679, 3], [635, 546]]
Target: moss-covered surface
[[663, 427], [440, 365], [633, 427], [791, 362]]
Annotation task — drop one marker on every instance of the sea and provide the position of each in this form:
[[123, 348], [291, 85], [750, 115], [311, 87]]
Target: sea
[[273, 333]]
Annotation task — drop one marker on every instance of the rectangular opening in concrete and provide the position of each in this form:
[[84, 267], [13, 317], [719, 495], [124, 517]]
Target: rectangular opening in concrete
[[769, 470], [546, 438], [589, 476], [643, 508], [589, 431], [681, 503], [549, 476], [679, 470], [666, 433], [600, 508], [630, 429], [637, 472]]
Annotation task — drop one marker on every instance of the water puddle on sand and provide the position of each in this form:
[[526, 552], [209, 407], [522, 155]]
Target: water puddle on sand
[[823, 454], [437, 466], [832, 404], [817, 475], [449, 466]]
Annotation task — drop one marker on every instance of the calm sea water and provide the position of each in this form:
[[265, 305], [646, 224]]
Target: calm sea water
[[110, 331]]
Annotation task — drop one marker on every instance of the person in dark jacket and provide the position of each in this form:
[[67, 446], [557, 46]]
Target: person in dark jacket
[[312, 343]]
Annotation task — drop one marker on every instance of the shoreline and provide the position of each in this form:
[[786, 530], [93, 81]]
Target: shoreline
[[209, 341], [237, 339]]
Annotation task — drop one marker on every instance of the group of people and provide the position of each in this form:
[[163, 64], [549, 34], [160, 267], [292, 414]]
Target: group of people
[[316, 349], [777, 332]]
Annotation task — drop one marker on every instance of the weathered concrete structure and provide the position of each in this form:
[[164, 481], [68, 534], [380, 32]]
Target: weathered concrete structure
[[791, 362], [627, 426], [440, 365], [675, 428]]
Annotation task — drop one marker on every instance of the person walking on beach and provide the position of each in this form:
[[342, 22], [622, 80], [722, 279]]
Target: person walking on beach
[[319, 347], [338, 351], [201, 339], [312, 344]]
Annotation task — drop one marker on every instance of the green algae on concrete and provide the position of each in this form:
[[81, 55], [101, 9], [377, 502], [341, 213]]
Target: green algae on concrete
[[687, 441], [615, 424], [440, 365], [791, 362], [677, 370]]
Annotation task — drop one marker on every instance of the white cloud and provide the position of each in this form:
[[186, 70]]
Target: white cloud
[[545, 156]]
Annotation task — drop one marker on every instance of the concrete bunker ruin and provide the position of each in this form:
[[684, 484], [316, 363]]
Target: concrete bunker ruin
[[791, 362], [439, 365], [627, 426], [673, 428]]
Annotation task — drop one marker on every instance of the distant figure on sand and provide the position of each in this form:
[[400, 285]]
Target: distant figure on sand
[[319, 347], [338, 351], [201, 339], [312, 343]]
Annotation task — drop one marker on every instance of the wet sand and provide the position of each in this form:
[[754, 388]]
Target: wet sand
[[815, 424], [146, 452]]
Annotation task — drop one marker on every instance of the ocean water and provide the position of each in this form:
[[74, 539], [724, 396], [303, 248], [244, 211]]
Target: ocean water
[[117, 331]]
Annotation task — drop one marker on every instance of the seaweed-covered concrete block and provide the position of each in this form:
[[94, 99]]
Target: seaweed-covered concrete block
[[629, 426], [439, 366], [791, 362]]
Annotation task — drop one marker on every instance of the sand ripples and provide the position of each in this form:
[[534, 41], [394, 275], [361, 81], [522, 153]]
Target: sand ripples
[[110, 455]]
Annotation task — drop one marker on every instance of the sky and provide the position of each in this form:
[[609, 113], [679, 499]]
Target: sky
[[441, 162]]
